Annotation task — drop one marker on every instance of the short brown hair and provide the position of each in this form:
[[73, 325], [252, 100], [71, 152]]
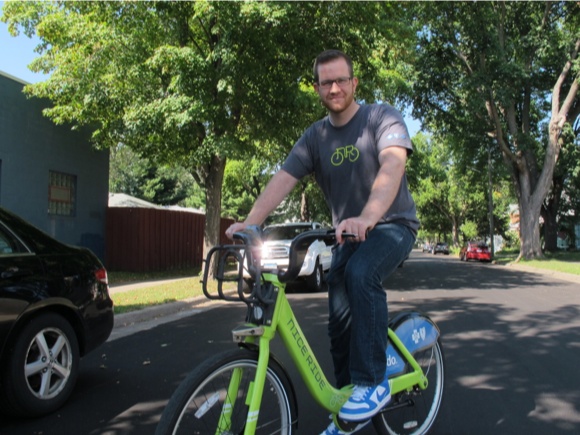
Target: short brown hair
[[329, 55]]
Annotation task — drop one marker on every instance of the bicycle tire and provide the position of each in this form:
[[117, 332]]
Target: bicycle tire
[[414, 412], [195, 407]]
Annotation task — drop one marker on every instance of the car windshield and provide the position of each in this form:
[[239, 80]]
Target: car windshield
[[284, 233]]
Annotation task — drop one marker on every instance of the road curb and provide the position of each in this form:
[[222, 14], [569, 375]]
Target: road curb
[[147, 318]]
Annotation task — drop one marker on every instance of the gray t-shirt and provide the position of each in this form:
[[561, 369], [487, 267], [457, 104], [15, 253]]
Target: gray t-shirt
[[345, 161]]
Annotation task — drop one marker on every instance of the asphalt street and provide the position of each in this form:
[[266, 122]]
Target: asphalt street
[[511, 340]]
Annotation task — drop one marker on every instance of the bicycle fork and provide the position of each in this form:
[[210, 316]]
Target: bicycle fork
[[253, 398]]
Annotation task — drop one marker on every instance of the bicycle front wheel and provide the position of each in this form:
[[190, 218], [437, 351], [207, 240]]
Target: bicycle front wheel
[[414, 412], [214, 398]]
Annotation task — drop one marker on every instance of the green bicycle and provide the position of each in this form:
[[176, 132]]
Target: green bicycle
[[248, 391]]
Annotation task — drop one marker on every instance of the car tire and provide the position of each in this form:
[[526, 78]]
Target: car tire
[[24, 393], [315, 280]]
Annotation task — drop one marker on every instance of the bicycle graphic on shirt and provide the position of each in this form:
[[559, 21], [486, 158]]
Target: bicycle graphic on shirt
[[348, 152]]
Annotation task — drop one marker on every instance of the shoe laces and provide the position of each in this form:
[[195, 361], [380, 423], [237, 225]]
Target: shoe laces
[[359, 392]]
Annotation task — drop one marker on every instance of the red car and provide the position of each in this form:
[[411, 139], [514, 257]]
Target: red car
[[475, 251]]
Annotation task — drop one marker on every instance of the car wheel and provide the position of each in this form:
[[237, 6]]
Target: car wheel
[[41, 374], [314, 281]]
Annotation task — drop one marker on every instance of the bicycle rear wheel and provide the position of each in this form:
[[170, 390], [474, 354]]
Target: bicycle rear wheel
[[415, 412], [212, 399]]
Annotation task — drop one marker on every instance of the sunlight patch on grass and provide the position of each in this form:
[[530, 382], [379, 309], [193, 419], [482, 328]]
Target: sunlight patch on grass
[[156, 295]]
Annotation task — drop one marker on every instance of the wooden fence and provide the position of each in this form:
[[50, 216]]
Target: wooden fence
[[147, 239]]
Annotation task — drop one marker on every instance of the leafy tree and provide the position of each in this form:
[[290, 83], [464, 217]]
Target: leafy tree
[[469, 230], [244, 180], [163, 185], [445, 196], [486, 73], [196, 83]]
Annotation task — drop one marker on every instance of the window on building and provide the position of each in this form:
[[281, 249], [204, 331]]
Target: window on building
[[62, 193]]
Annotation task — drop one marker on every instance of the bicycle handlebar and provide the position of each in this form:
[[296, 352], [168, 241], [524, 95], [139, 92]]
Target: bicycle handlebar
[[228, 263], [251, 236]]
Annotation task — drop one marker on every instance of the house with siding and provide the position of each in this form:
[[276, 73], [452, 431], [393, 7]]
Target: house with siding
[[49, 174]]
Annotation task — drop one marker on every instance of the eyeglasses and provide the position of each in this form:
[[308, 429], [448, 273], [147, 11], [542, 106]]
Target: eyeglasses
[[341, 81]]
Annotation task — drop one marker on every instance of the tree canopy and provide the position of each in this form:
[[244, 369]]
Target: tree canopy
[[489, 78], [196, 83]]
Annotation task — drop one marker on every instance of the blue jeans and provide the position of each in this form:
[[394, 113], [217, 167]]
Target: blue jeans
[[358, 314]]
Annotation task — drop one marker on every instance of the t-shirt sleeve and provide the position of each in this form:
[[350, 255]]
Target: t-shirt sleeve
[[300, 161], [391, 129]]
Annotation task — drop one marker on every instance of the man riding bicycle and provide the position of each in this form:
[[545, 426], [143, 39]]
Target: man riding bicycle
[[369, 197]]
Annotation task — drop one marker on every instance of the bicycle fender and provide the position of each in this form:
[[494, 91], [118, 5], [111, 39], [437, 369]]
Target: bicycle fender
[[416, 331]]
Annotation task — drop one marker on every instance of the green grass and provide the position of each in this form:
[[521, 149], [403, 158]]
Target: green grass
[[187, 285], [121, 278], [567, 262], [156, 294]]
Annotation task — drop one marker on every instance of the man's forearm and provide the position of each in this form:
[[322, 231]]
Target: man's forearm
[[386, 184]]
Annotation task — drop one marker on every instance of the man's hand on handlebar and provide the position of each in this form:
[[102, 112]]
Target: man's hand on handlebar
[[234, 228], [356, 225]]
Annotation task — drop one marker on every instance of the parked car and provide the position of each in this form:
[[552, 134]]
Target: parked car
[[440, 248], [426, 247], [276, 250], [475, 251], [54, 309]]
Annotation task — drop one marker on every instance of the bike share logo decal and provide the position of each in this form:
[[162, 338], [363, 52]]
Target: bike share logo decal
[[397, 136], [391, 361], [349, 152], [419, 335]]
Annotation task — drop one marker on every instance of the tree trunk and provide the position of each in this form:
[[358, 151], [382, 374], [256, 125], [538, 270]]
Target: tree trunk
[[304, 207], [530, 246], [455, 231], [550, 233], [213, 197], [549, 213]]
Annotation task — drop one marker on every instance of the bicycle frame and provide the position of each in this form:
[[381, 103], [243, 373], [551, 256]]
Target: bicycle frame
[[269, 313], [285, 324]]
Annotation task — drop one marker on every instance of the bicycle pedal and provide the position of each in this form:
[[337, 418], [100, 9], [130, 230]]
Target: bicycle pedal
[[349, 426]]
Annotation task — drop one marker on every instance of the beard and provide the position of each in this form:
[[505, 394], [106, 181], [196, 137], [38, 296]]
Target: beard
[[338, 105]]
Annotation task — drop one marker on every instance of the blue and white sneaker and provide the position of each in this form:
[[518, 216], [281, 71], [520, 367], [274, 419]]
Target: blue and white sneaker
[[365, 401], [332, 429]]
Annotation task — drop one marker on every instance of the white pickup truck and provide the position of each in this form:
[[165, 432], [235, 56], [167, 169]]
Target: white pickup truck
[[275, 250]]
